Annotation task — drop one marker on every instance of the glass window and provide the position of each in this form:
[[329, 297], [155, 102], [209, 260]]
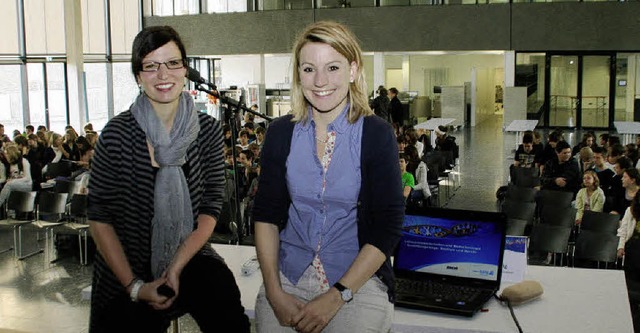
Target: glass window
[[44, 26], [96, 91], [125, 19], [56, 96], [11, 98], [284, 4], [93, 35], [627, 98], [226, 6], [35, 72], [186, 7], [162, 7], [530, 73], [9, 25], [125, 88]]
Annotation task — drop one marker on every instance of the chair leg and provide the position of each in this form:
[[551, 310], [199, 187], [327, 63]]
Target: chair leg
[[17, 241]]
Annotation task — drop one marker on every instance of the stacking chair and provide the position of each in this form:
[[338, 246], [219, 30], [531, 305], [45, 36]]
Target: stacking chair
[[600, 222], [519, 210], [67, 186], [77, 225], [50, 204], [550, 239], [22, 204], [526, 177], [556, 198], [516, 227], [60, 169], [558, 215], [521, 194], [596, 246]]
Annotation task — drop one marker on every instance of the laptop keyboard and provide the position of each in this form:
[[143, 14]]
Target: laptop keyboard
[[437, 290]]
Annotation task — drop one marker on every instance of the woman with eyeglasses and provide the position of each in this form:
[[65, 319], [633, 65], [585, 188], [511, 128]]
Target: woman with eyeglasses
[[155, 196]]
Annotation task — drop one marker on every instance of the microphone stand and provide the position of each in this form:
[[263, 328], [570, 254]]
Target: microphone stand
[[234, 106]]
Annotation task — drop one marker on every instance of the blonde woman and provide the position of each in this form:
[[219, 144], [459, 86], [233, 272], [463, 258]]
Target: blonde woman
[[329, 206], [17, 172]]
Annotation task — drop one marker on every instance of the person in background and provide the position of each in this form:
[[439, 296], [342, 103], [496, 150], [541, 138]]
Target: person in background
[[329, 207], [69, 147], [29, 130], [590, 197], [584, 159], [243, 140], [604, 139], [88, 128], [549, 151], [395, 108], [42, 128], [603, 170], [3, 137], [155, 196], [561, 173], [614, 152], [380, 104], [622, 199], [629, 240], [92, 138], [408, 182], [588, 140], [260, 132], [17, 172]]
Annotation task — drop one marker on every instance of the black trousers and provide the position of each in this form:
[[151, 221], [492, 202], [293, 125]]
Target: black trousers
[[208, 292]]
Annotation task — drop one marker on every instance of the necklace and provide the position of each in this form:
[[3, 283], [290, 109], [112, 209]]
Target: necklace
[[323, 141]]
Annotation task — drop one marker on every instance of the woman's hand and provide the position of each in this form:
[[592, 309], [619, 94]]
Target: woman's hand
[[149, 293], [621, 252], [286, 307], [316, 314], [578, 221], [172, 274]]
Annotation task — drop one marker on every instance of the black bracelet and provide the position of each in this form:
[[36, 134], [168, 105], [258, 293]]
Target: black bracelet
[[131, 283]]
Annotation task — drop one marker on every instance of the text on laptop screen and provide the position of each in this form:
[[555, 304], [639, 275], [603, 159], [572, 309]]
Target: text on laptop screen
[[450, 247]]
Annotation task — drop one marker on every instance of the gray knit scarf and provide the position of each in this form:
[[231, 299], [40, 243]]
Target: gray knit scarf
[[172, 212]]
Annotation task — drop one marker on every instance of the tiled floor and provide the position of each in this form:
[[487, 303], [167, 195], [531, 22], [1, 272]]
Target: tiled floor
[[39, 298]]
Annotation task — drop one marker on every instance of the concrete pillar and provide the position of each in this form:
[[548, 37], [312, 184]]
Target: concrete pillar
[[75, 63], [378, 70], [509, 68]]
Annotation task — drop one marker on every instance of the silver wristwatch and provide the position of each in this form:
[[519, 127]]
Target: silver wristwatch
[[345, 293]]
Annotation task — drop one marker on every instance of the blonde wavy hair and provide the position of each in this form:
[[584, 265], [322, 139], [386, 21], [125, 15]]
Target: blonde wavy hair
[[344, 42]]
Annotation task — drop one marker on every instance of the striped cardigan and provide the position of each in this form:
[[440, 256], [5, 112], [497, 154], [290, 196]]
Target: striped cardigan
[[121, 193]]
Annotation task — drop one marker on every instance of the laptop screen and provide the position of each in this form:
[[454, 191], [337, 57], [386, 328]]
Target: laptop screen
[[466, 244]]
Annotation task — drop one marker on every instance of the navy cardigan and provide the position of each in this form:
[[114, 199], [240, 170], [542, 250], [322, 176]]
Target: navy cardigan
[[380, 202]]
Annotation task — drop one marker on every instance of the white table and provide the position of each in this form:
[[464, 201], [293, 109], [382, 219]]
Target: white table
[[574, 300], [521, 126], [628, 129], [432, 124]]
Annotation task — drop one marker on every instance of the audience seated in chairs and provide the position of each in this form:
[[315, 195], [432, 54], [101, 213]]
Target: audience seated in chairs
[[15, 171], [548, 153]]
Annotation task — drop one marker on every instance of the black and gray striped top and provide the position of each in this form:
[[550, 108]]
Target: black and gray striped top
[[121, 193]]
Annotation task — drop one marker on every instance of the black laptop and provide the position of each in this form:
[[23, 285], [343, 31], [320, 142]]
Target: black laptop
[[449, 260]]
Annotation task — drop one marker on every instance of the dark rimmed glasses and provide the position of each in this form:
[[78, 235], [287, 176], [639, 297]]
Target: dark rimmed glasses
[[153, 66]]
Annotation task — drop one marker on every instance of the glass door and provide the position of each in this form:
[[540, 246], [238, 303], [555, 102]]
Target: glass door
[[594, 101], [563, 91]]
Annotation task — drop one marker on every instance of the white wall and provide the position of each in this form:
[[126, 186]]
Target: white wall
[[277, 71], [239, 70], [459, 68]]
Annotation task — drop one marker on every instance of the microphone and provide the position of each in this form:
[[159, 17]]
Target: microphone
[[194, 75]]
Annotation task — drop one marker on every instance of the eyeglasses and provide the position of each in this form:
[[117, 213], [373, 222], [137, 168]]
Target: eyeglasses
[[153, 66]]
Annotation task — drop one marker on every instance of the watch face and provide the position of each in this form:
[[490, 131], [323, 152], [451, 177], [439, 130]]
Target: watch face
[[346, 295]]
